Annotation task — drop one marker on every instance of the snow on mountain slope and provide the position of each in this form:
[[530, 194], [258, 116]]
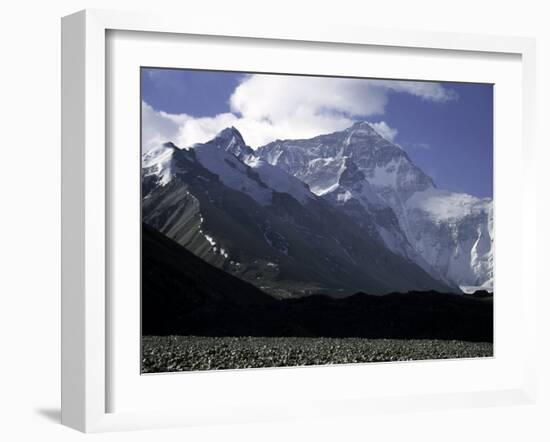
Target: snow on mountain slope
[[228, 157], [260, 223], [157, 162], [442, 205], [231, 140], [234, 162], [373, 181], [355, 166], [280, 181], [357, 197], [232, 172], [454, 232], [447, 234]]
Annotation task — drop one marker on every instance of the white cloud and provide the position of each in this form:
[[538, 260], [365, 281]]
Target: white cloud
[[386, 131], [200, 130], [269, 107], [280, 98], [183, 130], [428, 91], [156, 128]]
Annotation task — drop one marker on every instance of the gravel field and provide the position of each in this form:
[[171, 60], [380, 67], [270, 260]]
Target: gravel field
[[185, 353]]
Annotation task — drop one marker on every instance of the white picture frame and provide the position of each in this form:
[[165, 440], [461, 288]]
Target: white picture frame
[[86, 209]]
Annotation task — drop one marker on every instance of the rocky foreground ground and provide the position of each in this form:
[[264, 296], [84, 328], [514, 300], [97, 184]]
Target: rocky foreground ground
[[185, 353]]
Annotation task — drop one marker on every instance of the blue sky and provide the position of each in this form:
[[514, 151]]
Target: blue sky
[[446, 128]]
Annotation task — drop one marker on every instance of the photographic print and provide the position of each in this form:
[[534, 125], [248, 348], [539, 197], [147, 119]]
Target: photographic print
[[292, 220]]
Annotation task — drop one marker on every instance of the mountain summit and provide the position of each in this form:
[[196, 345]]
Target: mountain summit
[[450, 235], [259, 222], [354, 176]]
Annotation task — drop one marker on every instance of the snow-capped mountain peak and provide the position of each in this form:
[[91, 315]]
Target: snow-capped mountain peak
[[222, 157], [259, 173], [229, 133], [448, 234], [159, 154], [231, 140], [158, 162], [263, 224], [362, 127], [235, 164], [369, 178]]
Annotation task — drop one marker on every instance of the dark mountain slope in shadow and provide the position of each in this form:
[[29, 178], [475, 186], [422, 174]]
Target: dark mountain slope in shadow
[[184, 295], [177, 287]]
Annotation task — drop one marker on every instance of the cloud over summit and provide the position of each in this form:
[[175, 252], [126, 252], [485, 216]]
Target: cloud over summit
[[269, 107]]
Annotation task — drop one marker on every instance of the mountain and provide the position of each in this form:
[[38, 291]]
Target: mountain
[[449, 235], [184, 295], [179, 288], [256, 221]]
